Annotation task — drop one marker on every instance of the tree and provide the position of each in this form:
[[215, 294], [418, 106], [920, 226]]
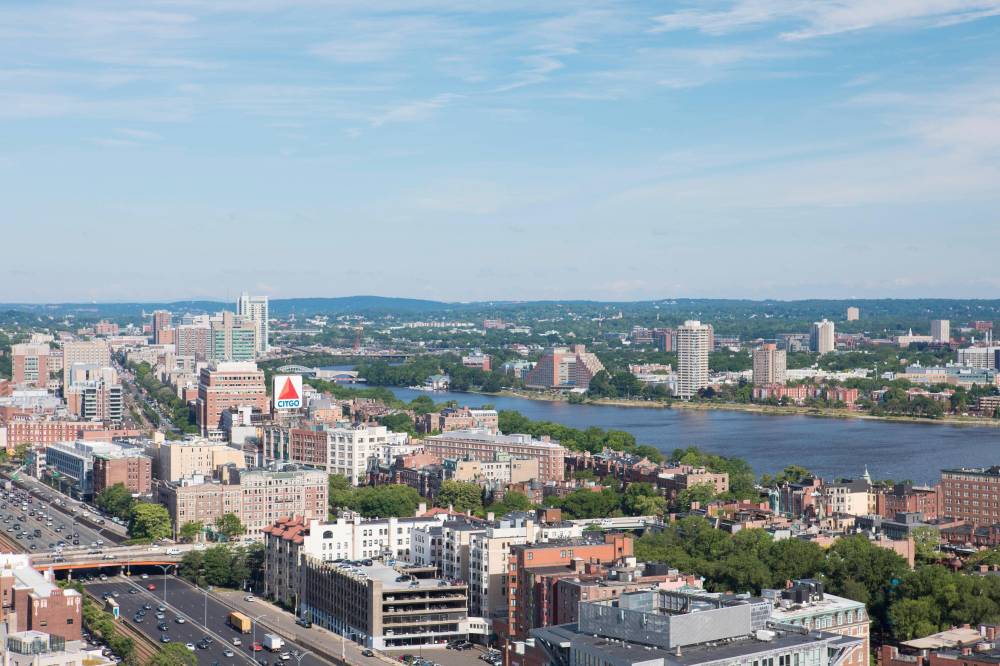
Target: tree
[[216, 565], [702, 493], [174, 654], [230, 525], [461, 495], [149, 521], [398, 422], [642, 499], [385, 501], [512, 501], [340, 493], [588, 503], [910, 618], [115, 500], [190, 530]]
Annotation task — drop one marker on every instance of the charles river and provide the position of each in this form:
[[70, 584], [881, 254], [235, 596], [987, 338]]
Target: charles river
[[829, 447]]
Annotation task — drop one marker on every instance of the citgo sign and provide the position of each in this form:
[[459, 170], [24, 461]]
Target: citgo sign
[[287, 391]]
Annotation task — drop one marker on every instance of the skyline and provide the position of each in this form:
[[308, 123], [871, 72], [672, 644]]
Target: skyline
[[185, 149]]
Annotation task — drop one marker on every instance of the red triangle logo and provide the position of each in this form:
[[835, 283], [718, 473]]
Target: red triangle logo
[[288, 391]]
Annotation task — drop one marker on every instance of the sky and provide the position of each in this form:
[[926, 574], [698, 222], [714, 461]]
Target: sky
[[515, 149]]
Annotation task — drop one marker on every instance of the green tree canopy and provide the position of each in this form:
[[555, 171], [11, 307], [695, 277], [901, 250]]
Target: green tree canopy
[[230, 525], [149, 521], [462, 496], [115, 500], [190, 530], [173, 654]]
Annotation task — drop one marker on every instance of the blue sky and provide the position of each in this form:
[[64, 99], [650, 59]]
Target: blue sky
[[515, 149]]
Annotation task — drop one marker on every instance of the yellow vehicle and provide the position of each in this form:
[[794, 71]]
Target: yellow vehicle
[[239, 622]]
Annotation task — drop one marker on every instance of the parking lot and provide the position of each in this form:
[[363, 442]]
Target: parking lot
[[189, 616]]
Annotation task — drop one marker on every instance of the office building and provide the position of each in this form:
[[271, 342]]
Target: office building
[[768, 365], [288, 542], [177, 459], [679, 628], [694, 342], [384, 607], [484, 446], [232, 338], [564, 368], [71, 464], [162, 327], [978, 357], [89, 352], [853, 314], [32, 602], [805, 604], [254, 309], [30, 365], [228, 385], [258, 497], [664, 339], [94, 393], [821, 338], [941, 330]]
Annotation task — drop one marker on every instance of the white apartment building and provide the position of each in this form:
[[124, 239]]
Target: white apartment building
[[694, 342], [821, 337], [940, 330], [351, 447], [255, 309]]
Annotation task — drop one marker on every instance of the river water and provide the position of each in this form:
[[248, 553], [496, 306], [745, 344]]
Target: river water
[[828, 447]]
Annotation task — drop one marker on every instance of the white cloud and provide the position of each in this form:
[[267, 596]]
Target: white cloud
[[816, 18], [413, 110]]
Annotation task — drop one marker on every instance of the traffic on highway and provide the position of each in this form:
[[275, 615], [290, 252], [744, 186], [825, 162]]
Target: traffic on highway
[[167, 609], [38, 525]]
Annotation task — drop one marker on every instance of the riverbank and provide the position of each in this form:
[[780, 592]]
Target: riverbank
[[749, 408]]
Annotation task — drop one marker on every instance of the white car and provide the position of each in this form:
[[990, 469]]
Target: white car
[[249, 597], [190, 646]]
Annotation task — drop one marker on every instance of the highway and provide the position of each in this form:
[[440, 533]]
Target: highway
[[192, 604], [53, 525], [84, 514]]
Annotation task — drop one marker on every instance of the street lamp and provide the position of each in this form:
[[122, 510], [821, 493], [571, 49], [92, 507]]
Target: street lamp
[[164, 568], [253, 625], [299, 655]]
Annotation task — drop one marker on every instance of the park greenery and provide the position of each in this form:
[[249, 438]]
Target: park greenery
[[903, 603], [592, 439], [372, 501], [101, 624], [224, 565], [149, 522]]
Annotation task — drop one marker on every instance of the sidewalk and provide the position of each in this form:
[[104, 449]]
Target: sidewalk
[[320, 641]]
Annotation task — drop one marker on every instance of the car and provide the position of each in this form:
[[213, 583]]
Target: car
[[228, 653], [180, 620], [302, 622], [132, 590], [367, 653], [164, 638], [256, 647], [160, 616], [249, 597], [144, 576], [139, 618], [162, 626], [151, 587], [161, 608], [115, 594], [236, 641], [147, 607], [190, 646], [285, 656], [202, 645]]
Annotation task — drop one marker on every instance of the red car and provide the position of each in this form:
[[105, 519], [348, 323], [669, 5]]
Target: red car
[[151, 587], [257, 647]]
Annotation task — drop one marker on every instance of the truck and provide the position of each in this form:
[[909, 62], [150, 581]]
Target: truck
[[273, 642], [239, 622]]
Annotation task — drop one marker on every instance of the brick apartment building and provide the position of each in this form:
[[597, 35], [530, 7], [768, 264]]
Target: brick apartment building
[[483, 446], [907, 498], [30, 364], [534, 570], [134, 472], [971, 494], [564, 367], [36, 601]]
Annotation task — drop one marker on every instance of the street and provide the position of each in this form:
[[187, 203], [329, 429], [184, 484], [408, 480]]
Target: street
[[53, 526], [204, 616]]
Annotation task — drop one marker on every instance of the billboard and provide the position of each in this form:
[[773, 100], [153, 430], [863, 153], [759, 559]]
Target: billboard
[[287, 391]]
